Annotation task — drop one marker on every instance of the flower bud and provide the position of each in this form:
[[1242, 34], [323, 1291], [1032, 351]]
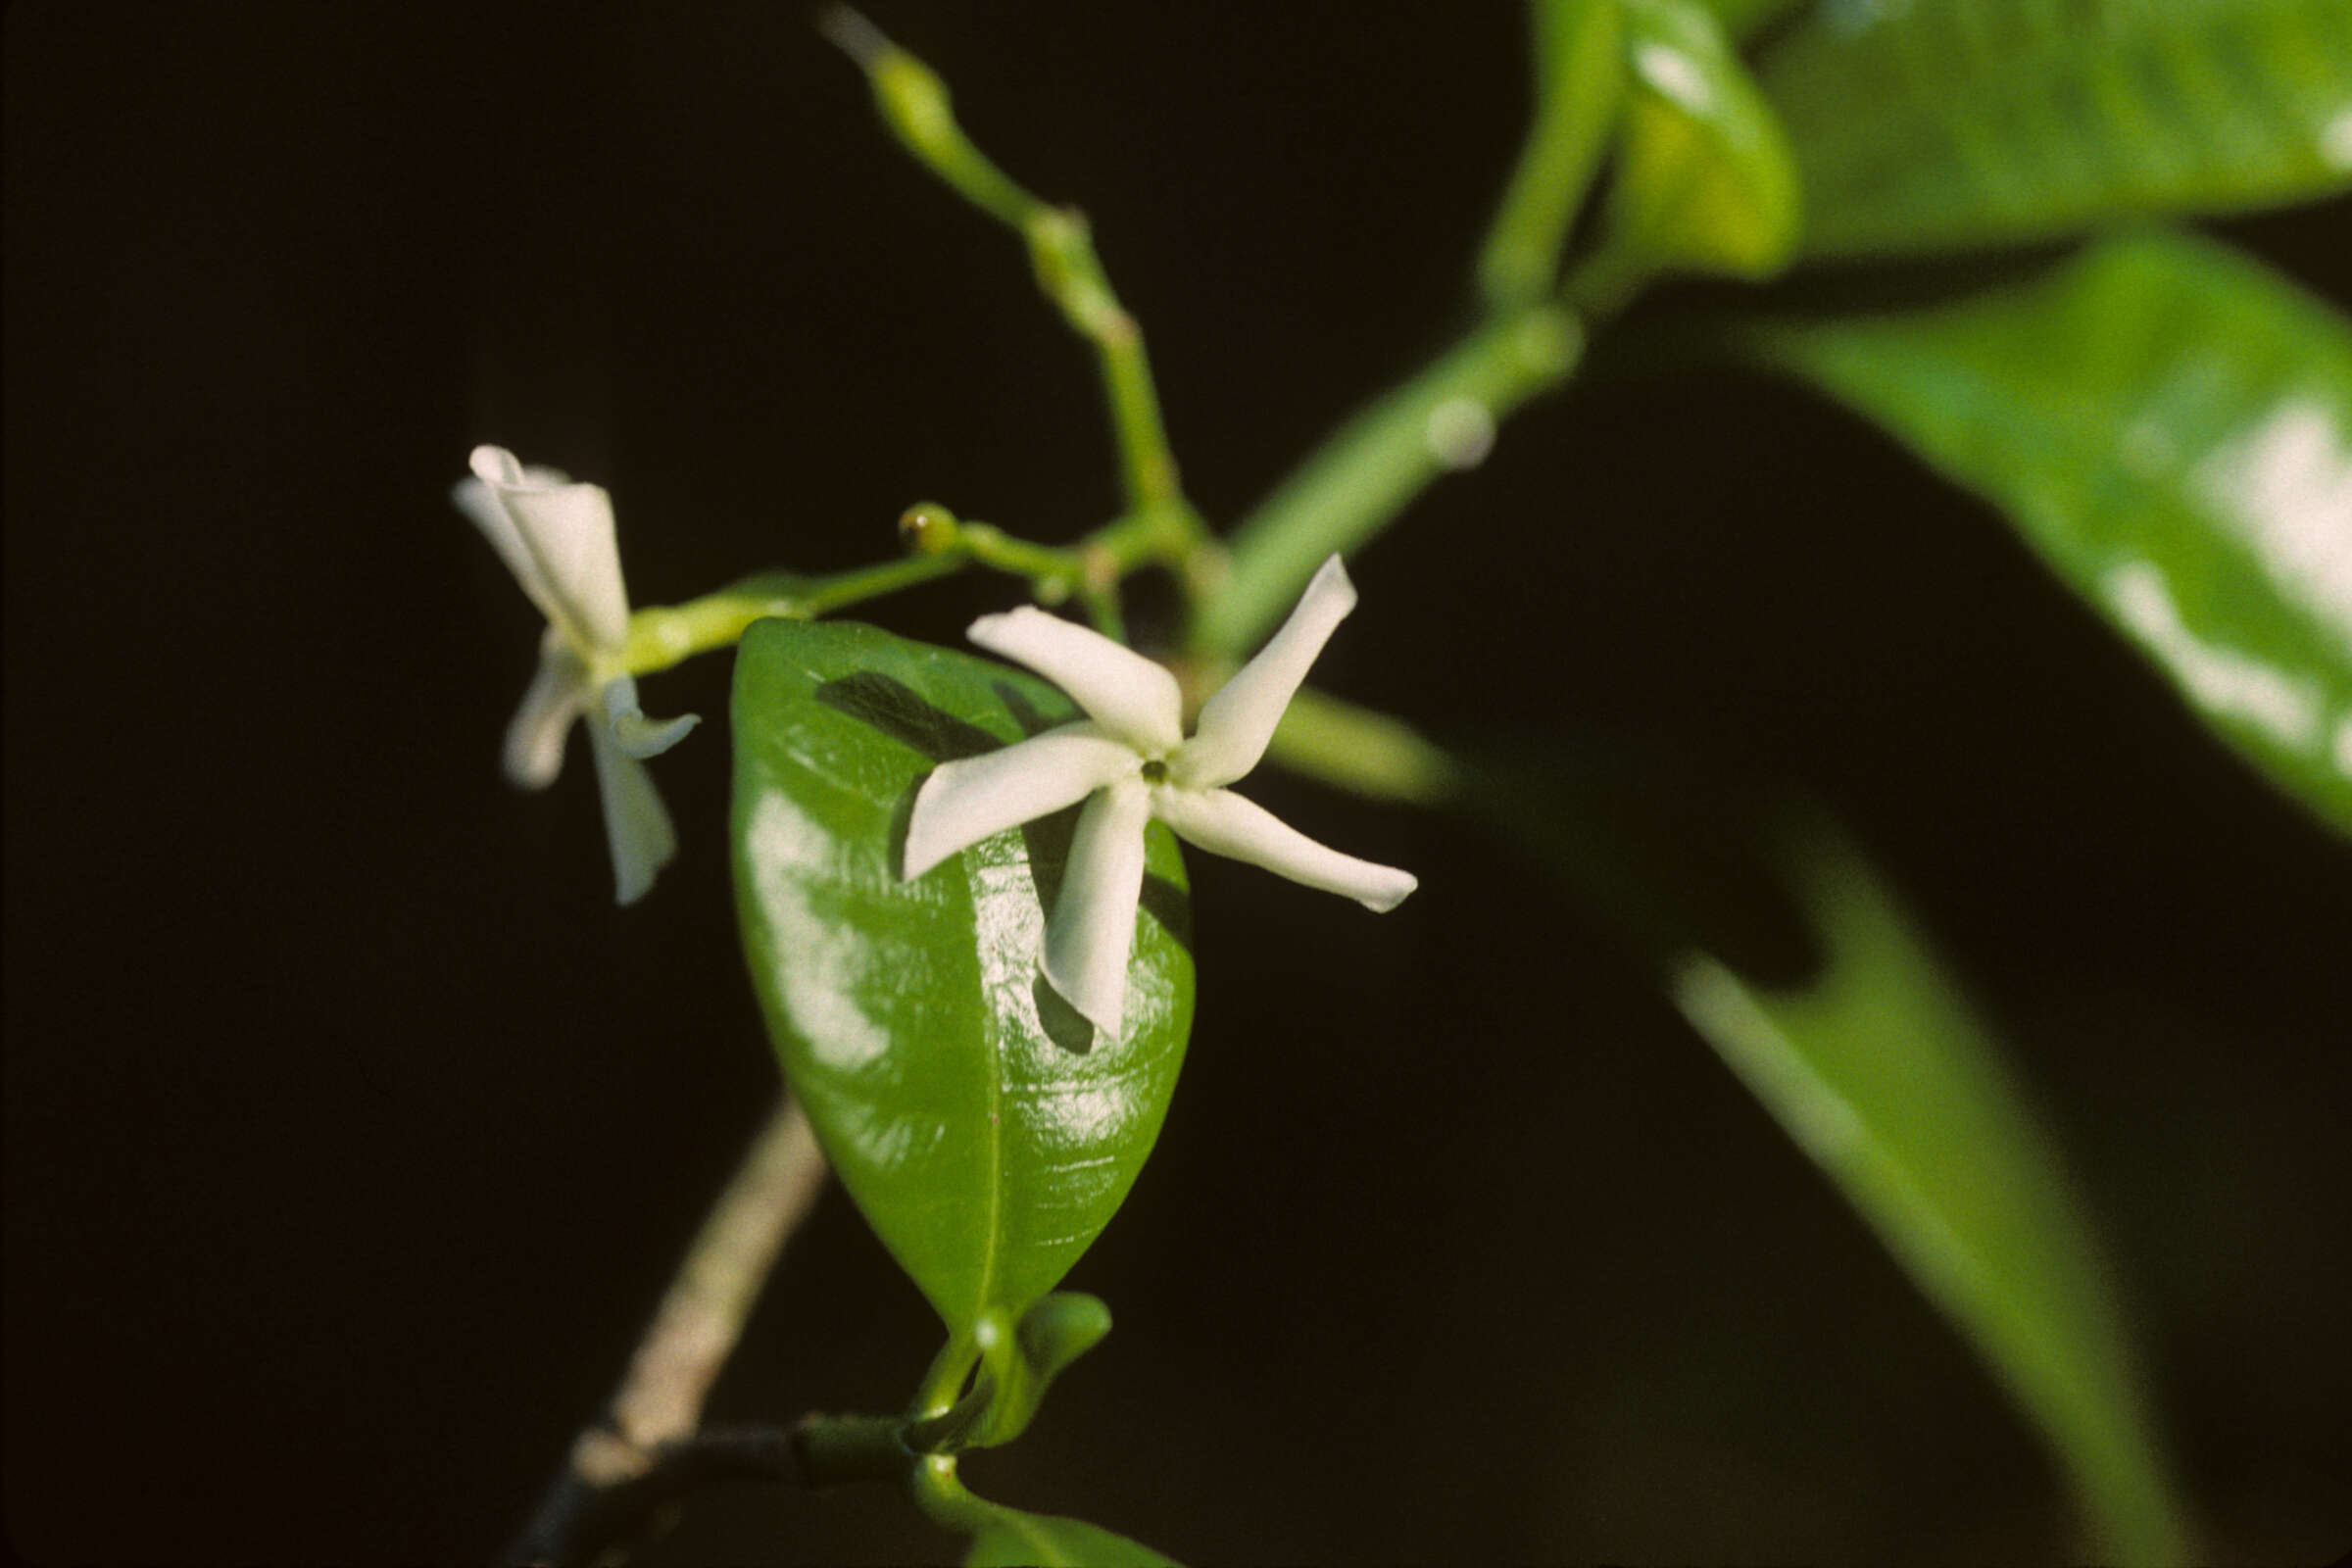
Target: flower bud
[[928, 528]]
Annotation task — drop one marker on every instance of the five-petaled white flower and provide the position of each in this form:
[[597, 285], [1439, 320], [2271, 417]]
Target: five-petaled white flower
[[1129, 759], [557, 537]]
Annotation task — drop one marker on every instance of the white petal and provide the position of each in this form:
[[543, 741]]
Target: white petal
[[1239, 720], [638, 735], [534, 753], [1223, 824], [1091, 929], [636, 824], [482, 505], [963, 802], [1120, 689], [567, 530]]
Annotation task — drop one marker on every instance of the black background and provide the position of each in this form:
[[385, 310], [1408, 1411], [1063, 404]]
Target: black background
[[352, 1131]]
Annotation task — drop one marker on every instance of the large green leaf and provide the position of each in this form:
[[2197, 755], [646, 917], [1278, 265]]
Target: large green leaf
[[1015, 1540], [1704, 183], [2169, 426], [984, 1128], [1941, 125], [1878, 1074]]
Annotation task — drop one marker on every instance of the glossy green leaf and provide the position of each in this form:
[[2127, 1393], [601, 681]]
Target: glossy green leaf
[[1880, 1073], [2170, 425], [1012, 1539], [1019, 1363], [984, 1128], [1942, 124], [1705, 180]]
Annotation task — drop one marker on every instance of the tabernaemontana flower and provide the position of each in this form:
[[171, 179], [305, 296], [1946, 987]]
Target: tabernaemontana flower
[[557, 537], [1129, 761]]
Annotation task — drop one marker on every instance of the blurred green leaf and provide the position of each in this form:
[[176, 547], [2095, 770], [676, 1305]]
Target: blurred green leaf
[[2170, 425], [1015, 1540], [1020, 1362], [1667, 850], [1704, 183], [1943, 125], [984, 1128], [1879, 1073]]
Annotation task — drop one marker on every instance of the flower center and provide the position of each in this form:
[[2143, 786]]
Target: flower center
[[1155, 772]]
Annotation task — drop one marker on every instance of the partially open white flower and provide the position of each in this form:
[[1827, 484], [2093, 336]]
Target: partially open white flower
[[558, 539], [1129, 761]]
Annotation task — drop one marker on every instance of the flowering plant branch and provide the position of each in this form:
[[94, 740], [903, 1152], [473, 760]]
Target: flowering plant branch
[[959, 887]]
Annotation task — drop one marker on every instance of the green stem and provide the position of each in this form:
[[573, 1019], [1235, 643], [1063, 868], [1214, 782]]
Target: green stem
[[918, 109], [1362, 752], [664, 635], [1062, 252], [836, 1449], [943, 1382], [1580, 78], [1357, 482], [1054, 572]]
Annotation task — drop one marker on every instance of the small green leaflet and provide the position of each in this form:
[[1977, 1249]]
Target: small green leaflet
[[985, 1130], [1019, 1361], [1012, 1539], [1705, 180]]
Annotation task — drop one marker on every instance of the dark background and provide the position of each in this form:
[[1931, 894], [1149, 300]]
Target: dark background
[[351, 1130]]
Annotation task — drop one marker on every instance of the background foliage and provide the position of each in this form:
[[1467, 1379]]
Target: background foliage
[[350, 1131]]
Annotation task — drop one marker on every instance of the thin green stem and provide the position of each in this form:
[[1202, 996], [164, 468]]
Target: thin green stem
[[1606, 281], [1362, 752], [856, 586], [1053, 570], [943, 1381], [1062, 253], [664, 635], [1440, 419], [1580, 76], [916, 106]]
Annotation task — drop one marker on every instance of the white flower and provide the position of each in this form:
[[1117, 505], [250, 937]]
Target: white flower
[[557, 537], [1129, 760]]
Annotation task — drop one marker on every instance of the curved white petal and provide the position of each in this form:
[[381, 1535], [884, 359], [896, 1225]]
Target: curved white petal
[[1239, 720], [486, 512], [1091, 929], [640, 736], [534, 749], [1120, 689], [636, 823], [963, 802], [568, 532], [1223, 824]]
